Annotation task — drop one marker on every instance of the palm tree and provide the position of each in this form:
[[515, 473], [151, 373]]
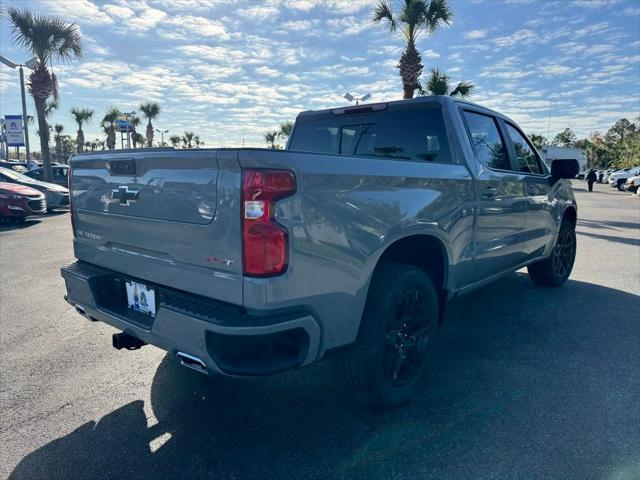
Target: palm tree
[[47, 39], [58, 139], [135, 136], [270, 137], [137, 139], [285, 129], [197, 142], [151, 110], [81, 116], [187, 139], [49, 106], [414, 17], [439, 83], [109, 126], [175, 141]]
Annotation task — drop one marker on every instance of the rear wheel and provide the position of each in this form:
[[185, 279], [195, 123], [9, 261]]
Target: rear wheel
[[397, 337], [554, 270]]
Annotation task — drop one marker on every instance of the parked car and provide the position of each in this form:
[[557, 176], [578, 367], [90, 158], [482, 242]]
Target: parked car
[[60, 174], [18, 202], [249, 262], [57, 196], [582, 175], [632, 184], [17, 166], [619, 178]]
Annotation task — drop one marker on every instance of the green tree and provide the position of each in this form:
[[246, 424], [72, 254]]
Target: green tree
[[174, 140], [49, 107], [413, 18], [439, 83], [150, 110], [137, 139], [109, 126], [81, 116], [270, 138], [187, 139], [285, 129], [538, 141], [46, 38], [565, 138], [621, 130], [135, 136], [58, 139]]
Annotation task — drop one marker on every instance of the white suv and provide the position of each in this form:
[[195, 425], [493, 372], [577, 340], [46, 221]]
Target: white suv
[[619, 178]]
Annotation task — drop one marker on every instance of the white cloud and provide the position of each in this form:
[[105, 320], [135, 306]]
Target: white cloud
[[81, 11], [555, 69], [268, 72], [430, 54], [475, 34], [186, 26], [146, 19], [297, 25], [117, 11], [337, 6]]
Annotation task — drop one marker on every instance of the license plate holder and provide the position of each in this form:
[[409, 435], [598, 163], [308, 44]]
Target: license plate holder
[[141, 298]]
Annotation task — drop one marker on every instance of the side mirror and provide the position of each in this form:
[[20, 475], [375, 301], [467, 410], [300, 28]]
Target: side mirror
[[564, 168]]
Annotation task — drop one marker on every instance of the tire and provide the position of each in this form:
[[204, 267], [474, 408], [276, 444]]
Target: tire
[[620, 185], [397, 338], [554, 270]]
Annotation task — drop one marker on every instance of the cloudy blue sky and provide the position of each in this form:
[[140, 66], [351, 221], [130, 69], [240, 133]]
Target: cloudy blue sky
[[227, 69]]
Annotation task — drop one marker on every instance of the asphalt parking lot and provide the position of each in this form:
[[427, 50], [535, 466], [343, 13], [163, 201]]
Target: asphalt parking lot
[[530, 383]]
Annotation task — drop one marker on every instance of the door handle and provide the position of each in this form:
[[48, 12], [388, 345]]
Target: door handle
[[489, 192]]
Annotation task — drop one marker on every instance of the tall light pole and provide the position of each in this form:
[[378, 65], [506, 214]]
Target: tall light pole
[[351, 98], [30, 64], [161, 132]]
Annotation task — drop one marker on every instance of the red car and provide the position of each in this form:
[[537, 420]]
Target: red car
[[19, 202]]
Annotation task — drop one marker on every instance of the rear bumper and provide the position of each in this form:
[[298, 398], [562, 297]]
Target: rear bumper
[[224, 337]]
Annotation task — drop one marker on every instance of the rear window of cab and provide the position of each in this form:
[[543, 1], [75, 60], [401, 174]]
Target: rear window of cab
[[411, 134]]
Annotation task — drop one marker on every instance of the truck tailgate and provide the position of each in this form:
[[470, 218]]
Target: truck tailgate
[[169, 217]]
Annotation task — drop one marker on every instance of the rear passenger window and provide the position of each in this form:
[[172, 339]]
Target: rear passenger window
[[487, 141], [526, 158], [411, 134]]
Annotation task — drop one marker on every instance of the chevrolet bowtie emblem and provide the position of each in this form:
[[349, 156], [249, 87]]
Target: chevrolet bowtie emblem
[[124, 196]]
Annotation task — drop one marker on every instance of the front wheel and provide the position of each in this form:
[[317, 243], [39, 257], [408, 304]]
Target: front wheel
[[554, 270], [397, 337], [620, 185]]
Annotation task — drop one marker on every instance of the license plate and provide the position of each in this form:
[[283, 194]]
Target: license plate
[[141, 298]]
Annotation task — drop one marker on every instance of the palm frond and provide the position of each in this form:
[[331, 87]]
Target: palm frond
[[438, 82], [49, 107], [111, 115], [81, 115], [44, 36], [464, 89], [150, 110], [285, 129], [382, 12], [438, 13]]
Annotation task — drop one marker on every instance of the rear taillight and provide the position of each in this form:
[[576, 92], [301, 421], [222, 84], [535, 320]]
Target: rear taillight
[[265, 243], [69, 187]]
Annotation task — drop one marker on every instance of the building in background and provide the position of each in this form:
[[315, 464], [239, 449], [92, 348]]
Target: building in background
[[550, 153]]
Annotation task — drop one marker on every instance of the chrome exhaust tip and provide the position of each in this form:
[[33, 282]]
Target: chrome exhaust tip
[[192, 362]]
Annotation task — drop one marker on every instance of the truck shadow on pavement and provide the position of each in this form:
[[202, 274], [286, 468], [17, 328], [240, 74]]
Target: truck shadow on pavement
[[17, 224], [530, 383]]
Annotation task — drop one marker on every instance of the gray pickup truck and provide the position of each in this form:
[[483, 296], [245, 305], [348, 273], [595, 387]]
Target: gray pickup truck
[[249, 262]]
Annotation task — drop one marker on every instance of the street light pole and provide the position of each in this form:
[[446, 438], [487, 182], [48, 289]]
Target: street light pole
[[161, 132], [25, 119], [351, 98]]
